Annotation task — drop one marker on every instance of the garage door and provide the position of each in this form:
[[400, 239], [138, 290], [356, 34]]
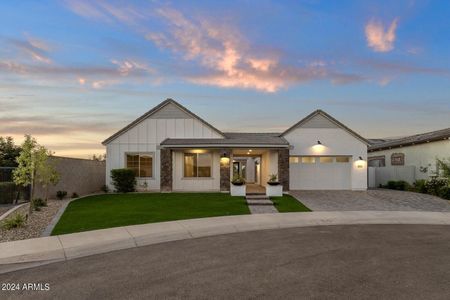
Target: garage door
[[320, 172]]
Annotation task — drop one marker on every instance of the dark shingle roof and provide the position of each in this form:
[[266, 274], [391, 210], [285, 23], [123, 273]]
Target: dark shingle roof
[[232, 138], [412, 140]]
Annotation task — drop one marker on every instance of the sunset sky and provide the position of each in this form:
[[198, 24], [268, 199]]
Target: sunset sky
[[74, 72]]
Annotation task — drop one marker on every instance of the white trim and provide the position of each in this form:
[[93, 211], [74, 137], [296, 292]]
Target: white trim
[[152, 154]]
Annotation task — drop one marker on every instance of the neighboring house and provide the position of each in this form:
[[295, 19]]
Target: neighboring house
[[172, 149], [409, 158]]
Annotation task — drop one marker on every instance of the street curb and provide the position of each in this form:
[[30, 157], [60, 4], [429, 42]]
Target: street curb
[[32, 252], [9, 212]]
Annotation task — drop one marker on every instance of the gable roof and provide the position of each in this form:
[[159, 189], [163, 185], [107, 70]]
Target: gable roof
[[155, 110], [412, 140], [320, 112]]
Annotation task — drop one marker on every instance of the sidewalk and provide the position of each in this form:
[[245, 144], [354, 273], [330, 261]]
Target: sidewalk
[[28, 253]]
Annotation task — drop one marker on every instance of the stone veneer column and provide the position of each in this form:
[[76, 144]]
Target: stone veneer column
[[283, 168], [166, 170], [225, 170]]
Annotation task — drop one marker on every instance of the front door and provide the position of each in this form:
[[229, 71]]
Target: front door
[[239, 168]]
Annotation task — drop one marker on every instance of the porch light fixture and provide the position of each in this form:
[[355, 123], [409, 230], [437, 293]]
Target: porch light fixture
[[319, 143], [360, 158], [224, 159]]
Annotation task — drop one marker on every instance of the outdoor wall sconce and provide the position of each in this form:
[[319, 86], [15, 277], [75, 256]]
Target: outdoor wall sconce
[[318, 148], [360, 163], [224, 159]]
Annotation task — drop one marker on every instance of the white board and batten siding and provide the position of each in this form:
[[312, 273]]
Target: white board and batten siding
[[336, 141], [144, 137]]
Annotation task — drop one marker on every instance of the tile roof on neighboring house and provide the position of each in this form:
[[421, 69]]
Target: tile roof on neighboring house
[[437, 135], [231, 138]]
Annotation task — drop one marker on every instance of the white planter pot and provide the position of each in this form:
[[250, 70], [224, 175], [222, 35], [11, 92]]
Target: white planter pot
[[274, 190], [237, 190]]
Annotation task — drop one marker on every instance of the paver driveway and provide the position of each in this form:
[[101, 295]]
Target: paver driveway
[[376, 199]]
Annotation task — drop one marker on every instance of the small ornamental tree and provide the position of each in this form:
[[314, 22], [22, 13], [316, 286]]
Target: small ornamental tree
[[33, 167], [124, 180], [46, 173]]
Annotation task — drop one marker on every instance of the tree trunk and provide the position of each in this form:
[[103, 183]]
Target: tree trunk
[[30, 211]]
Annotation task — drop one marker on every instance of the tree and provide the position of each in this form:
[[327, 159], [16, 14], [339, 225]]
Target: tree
[[8, 152], [99, 157], [46, 173], [443, 168], [33, 166]]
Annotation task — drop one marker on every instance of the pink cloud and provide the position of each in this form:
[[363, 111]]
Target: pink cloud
[[228, 58], [379, 38]]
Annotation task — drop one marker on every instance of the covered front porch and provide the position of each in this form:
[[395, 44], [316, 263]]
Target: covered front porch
[[206, 167]]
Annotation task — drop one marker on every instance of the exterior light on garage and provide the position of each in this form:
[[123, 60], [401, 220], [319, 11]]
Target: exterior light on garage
[[360, 163], [318, 148]]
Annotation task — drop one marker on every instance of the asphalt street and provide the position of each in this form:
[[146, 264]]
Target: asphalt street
[[323, 262]]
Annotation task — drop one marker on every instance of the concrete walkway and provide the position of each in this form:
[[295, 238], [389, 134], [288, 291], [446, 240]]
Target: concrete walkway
[[33, 252]]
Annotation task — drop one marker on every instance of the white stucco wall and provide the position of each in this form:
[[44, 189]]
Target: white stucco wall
[[145, 137], [335, 141], [269, 165], [421, 155]]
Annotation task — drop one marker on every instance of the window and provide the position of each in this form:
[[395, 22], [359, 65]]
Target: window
[[141, 164], [325, 159], [308, 160], [342, 159], [294, 160], [377, 161], [197, 164]]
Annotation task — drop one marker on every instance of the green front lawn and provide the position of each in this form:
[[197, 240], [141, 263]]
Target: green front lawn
[[287, 203], [112, 210]]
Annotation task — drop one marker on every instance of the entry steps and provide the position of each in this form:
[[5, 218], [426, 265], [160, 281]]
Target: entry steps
[[258, 200]]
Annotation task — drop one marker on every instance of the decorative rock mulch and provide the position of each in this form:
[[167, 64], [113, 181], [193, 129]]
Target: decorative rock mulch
[[35, 225], [5, 208]]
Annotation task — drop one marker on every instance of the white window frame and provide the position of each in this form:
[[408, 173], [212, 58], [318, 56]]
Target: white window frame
[[151, 154]]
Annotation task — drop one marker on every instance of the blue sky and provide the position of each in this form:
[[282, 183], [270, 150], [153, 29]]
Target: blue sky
[[74, 72]]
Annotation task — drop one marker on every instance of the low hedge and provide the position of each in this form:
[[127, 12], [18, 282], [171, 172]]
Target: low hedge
[[8, 192]]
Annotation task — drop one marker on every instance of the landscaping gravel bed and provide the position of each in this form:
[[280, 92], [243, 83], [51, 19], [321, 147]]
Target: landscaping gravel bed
[[35, 225], [5, 208]]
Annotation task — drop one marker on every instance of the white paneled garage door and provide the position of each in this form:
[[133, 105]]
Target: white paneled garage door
[[320, 172]]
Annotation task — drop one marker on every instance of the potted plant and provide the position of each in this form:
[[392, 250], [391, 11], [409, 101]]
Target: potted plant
[[273, 179], [237, 186], [274, 188]]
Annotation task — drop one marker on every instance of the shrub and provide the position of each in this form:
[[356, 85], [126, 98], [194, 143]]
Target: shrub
[[434, 186], [400, 185], [75, 195], [124, 180], [104, 188], [7, 192], [444, 192], [16, 221], [61, 194], [38, 203], [420, 186]]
